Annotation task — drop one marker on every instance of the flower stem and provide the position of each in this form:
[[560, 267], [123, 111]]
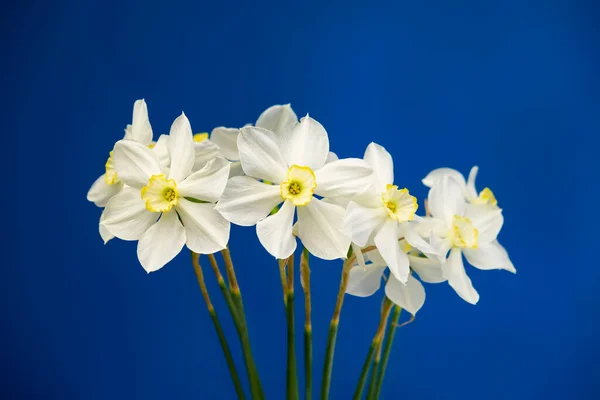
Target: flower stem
[[333, 329], [386, 351], [233, 298], [283, 276], [292, 374], [305, 281], [213, 316], [377, 341]]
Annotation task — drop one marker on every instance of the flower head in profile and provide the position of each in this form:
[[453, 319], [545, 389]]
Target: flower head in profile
[[486, 196], [458, 228], [290, 169], [165, 208], [382, 214]]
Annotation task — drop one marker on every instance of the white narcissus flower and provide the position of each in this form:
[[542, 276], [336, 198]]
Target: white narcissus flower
[[486, 196], [165, 209], [381, 215], [461, 228], [109, 184], [292, 168]]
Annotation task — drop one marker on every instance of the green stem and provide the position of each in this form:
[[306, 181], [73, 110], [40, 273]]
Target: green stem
[[372, 382], [386, 351], [305, 280], [215, 319], [292, 374], [364, 373]]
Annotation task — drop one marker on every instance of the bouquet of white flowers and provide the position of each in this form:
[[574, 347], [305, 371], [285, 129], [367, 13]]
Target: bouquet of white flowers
[[186, 189]]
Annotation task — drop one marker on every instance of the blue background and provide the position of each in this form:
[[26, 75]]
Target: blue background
[[513, 88]]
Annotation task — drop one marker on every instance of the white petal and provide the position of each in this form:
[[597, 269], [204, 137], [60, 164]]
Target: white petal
[[429, 271], [104, 233], [140, 131], [181, 148], [135, 163], [454, 271], [277, 119], [204, 151], [306, 145], [207, 231], [331, 157], [126, 216], [101, 192], [488, 220], [386, 240], [161, 149], [360, 222], [410, 297], [226, 139], [409, 231], [208, 183], [260, 154], [490, 256], [246, 200], [381, 162], [236, 169], [161, 242], [360, 257], [438, 174], [344, 178], [471, 191], [320, 229], [275, 232], [446, 199], [364, 282]]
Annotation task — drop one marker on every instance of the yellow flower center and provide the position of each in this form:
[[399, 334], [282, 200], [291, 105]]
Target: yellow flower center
[[200, 137], [486, 196], [464, 234], [110, 177], [160, 194], [300, 185], [399, 204]]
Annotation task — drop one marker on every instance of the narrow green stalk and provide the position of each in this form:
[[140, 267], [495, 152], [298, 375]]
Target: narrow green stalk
[[233, 298], [364, 373], [292, 374], [386, 351], [333, 329], [215, 319], [305, 280], [373, 381], [377, 342]]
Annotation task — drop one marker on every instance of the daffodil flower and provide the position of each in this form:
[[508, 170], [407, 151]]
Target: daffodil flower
[[291, 169], [166, 208], [486, 196], [460, 228], [381, 215]]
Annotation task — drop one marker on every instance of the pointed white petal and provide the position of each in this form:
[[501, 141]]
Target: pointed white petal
[[161, 242], [471, 191], [207, 231], [360, 222], [410, 297], [247, 201], [181, 148], [381, 162], [306, 145], [320, 229], [161, 149], [344, 178], [277, 119], [275, 232], [364, 282], [126, 216], [446, 199], [204, 151], [135, 163], [208, 183], [104, 233], [488, 220], [454, 271], [490, 256], [409, 231], [331, 157], [226, 139], [101, 192], [260, 154], [140, 131], [437, 174], [429, 271], [386, 240]]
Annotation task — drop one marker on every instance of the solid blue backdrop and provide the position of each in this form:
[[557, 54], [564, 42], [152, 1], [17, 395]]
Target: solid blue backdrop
[[509, 86]]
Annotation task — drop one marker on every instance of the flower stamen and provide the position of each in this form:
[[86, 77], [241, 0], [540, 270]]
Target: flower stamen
[[300, 185], [160, 194]]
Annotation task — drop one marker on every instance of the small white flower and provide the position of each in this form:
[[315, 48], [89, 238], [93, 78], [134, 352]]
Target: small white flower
[[167, 208], [291, 168], [381, 215], [486, 196], [109, 184], [461, 228]]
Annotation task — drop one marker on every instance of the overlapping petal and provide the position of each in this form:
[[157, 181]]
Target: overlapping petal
[[226, 139], [207, 184], [363, 282], [446, 199], [386, 241], [181, 148], [275, 232], [161, 242], [277, 119], [246, 201], [135, 163], [360, 222], [488, 220], [409, 296], [381, 162], [306, 145], [207, 231], [489, 256], [141, 130], [344, 178], [320, 229], [260, 154], [101, 192], [126, 216], [437, 175], [454, 271]]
